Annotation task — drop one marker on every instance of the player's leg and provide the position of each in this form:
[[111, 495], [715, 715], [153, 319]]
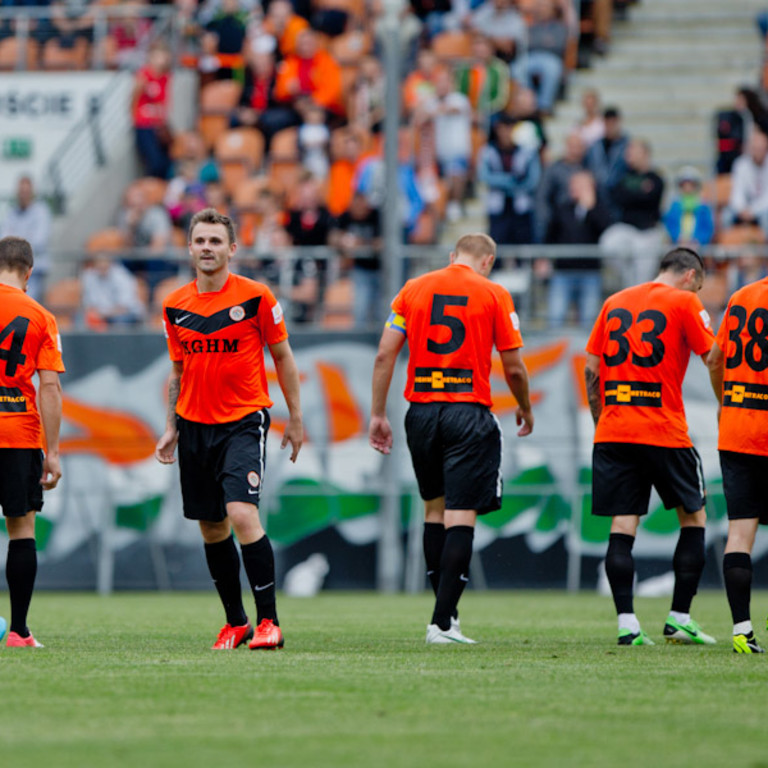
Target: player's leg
[[433, 538], [737, 573]]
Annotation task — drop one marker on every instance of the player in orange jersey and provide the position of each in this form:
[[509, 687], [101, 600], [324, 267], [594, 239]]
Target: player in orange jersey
[[452, 318], [637, 356], [29, 422], [217, 327], [737, 367]]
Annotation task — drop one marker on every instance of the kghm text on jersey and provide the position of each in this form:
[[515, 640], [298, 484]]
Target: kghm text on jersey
[[645, 393], [197, 346], [442, 380], [744, 395]]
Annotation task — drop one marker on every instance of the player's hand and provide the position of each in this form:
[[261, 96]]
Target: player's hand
[[51, 471], [166, 446], [293, 434], [526, 419], [380, 434]]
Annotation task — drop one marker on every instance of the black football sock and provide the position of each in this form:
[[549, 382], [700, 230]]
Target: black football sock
[[688, 564], [454, 573], [20, 573], [224, 566], [737, 572], [259, 562], [620, 569], [434, 539]]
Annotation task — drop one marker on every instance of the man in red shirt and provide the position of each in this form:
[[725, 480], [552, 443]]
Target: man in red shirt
[[452, 318], [737, 368], [637, 356], [29, 422], [217, 327]]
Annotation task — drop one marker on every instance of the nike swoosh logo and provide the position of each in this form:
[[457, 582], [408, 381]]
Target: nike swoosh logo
[[266, 586], [464, 578], [181, 318], [251, 491]]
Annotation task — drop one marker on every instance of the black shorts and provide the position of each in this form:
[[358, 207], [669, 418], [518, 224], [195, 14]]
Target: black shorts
[[456, 453], [745, 485], [20, 473], [220, 463], [623, 473]]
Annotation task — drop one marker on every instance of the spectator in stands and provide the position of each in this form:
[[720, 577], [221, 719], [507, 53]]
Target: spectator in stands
[[484, 80], [30, 218], [366, 105], [638, 236], [554, 189], [285, 25], [70, 23], [130, 33], [735, 125], [431, 13], [600, 14], [358, 237], [224, 37], [689, 219], [346, 152], [748, 203], [314, 140], [547, 40], [579, 220], [521, 107], [501, 23], [509, 166], [591, 127], [605, 158], [419, 84], [185, 194], [110, 294], [150, 109], [310, 75]]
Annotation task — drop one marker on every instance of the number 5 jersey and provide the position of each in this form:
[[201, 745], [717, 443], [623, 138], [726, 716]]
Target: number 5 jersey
[[644, 337], [743, 338], [29, 342], [453, 317]]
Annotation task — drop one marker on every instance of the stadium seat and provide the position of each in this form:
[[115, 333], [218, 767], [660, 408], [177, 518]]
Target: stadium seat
[[349, 47], [108, 239], [247, 191], [153, 188], [285, 145], [355, 8], [741, 235], [55, 57], [718, 190], [283, 176], [63, 299], [337, 304], [217, 100], [238, 152], [452, 45], [10, 50]]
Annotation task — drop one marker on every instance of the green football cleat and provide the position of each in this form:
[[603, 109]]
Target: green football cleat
[[746, 644], [626, 637], [690, 633]]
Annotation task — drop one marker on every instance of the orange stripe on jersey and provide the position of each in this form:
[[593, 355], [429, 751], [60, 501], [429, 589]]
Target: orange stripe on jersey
[[220, 338], [644, 337], [29, 342], [743, 338], [453, 318]]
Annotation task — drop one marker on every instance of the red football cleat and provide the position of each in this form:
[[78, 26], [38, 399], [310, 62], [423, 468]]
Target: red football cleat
[[15, 640], [232, 637], [267, 636]]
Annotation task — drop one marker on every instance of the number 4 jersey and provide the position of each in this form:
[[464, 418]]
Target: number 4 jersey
[[453, 317], [644, 337], [743, 338], [29, 342]]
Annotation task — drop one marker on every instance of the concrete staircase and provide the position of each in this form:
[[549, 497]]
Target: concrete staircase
[[672, 64]]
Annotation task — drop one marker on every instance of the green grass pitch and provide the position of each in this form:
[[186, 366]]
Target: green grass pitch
[[130, 681]]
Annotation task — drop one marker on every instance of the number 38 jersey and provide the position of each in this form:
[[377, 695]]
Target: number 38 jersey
[[29, 342], [644, 337], [743, 338], [453, 317]]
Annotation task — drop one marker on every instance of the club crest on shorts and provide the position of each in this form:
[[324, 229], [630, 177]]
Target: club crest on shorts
[[254, 479], [236, 313]]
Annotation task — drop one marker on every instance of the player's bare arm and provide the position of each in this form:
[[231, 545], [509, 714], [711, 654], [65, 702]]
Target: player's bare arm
[[50, 415], [516, 375], [714, 362], [592, 381], [166, 445], [288, 379], [379, 429]]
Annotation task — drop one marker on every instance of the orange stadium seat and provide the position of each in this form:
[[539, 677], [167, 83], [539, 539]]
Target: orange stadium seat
[[238, 152], [741, 235], [355, 8], [285, 145], [153, 188], [63, 299], [337, 304], [247, 191], [108, 239], [57, 57], [10, 50], [452, 45], [217, 100], [283, 176], [349, 47]]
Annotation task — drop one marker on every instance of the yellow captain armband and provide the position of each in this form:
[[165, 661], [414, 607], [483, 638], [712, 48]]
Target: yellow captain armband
[[396, 323]]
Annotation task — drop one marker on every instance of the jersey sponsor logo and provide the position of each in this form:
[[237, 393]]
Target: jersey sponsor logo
[[277, 314], [199, 346], [12, 400], [442, 380], [704, 315], [744, 395], [513, 316], [253, 479], [644, 393], [217, 321]]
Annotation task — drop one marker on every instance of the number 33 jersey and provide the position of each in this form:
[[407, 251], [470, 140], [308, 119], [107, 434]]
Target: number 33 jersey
[[644, 337], [453, 317], [743, 338], [29, 342]]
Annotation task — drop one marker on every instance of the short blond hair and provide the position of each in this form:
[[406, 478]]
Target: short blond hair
[[477, 245]]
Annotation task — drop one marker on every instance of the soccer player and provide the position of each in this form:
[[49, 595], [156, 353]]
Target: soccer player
[[737, 368], [217, 326], [452, 318], [637, 356], [29, 422]]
